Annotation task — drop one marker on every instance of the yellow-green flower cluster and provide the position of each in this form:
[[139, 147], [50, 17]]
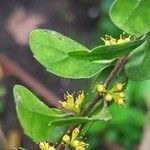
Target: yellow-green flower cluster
[[46, 146], [72, 103], [116, 93], [111, 41], [72, 142]]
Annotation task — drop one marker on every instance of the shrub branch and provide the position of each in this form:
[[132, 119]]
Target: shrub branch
[[118, 67]]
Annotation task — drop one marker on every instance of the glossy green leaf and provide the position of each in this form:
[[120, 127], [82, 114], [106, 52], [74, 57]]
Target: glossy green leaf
[[72, 120], [39, 121], [137, 67], [34, 116], [106, 51], [104, 114], [51, 50], [132, 16]]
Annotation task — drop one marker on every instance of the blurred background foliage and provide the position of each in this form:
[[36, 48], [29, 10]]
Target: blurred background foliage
[[86, 21]]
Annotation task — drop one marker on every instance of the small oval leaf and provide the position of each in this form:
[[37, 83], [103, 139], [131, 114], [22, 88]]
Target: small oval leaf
[[132, 16], [137, 67], [51, 50]]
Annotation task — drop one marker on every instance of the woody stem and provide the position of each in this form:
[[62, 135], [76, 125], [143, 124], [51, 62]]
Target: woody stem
[[118, 67]]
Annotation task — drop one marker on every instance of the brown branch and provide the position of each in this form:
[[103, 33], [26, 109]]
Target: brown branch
[[119, 65], [115, 71], [18, 72]]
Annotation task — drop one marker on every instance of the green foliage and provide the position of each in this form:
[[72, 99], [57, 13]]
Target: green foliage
[[105, 24], [35, 116], [104, 114], [106, 52], [40, 122], [120, 129], [137, 67], [66, 58], [138, 91], [121, 77], [56, 51], [132, 16], [51, 50]]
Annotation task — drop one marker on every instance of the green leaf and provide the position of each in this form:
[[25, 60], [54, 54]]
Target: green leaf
[[104, 114], [137, 67], [35, 116], [72, 121], [106, 51], [51, 50], [39, 121], [132, 16], [138, 91]]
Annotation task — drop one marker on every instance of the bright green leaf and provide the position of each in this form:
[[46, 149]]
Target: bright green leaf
[[51, 50], [106, 51], [137, 67], [35, 116], [71, 120], [104, 114], [132, 16], [39, 121]]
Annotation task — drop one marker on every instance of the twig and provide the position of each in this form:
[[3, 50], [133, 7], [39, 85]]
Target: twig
[[119, 65], [115, 71]]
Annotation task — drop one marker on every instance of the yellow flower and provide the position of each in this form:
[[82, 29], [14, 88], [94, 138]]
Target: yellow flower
[[79, 145], [115, 93], [121, 95], [108, 97], [101, 88], [80, 148], [79, 100], [119, 98], [70, 99], [73, 104], [76, 144], [119, 86], [46, 146], [108, 40], [75, 133], [52, 148], [66, 139], [120, 101]]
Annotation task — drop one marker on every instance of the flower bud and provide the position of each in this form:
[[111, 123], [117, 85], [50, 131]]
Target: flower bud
[[119, 86], [108, 97], [80, 148], [66, 139], [101, 88], [64, 104], [46, 146], [121, 94], [75, 143], [51, 148], [75, 133], [120, 101]]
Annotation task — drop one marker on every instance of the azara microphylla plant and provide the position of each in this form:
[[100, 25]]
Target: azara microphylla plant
[[127, 57]]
